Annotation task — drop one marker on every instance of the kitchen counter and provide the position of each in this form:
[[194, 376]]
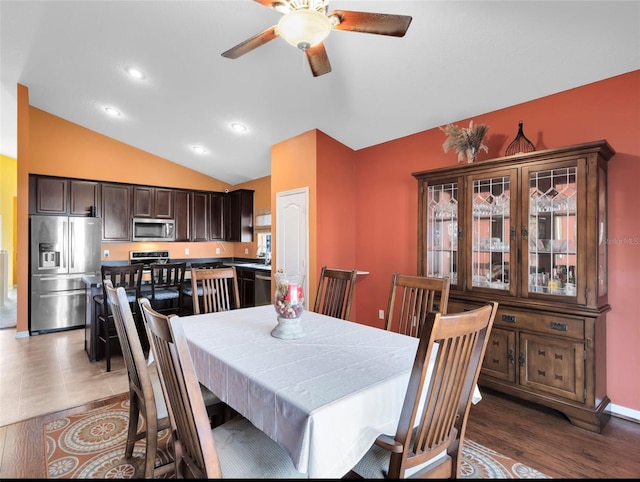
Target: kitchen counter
[[244, 264]]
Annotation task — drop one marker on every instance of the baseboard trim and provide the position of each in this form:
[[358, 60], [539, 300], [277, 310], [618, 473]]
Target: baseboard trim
[[625, 413], [22, 334]]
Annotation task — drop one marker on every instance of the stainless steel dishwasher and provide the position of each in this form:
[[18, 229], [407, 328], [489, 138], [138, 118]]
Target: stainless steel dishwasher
[[262, 289]]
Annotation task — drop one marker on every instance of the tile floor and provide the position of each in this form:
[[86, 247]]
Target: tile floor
[[50, 372]]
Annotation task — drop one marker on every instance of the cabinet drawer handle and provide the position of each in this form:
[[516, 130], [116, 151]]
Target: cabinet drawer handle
[[509, 318], [556, 325]]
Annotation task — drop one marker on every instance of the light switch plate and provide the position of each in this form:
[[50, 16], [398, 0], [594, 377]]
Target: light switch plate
[[106, 253], [246, 250], [186, 250], [217, 250]]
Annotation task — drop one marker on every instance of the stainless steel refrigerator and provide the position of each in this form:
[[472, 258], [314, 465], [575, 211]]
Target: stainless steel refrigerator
[[63, 249]]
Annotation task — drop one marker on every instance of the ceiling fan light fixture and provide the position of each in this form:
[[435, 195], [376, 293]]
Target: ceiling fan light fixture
[[304, 28]]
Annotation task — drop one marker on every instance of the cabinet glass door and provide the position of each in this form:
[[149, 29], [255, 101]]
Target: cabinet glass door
[[442, 231], [491, 232], [552, 231]]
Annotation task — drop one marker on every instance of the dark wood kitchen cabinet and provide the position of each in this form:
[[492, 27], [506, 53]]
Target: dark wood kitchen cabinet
[[530, 232], [200, 216], [217, 217], [48, 195], [54, 195], [246, 286], [152, 202], [182, 212], [83, 195], [116, 212], [239, 216]]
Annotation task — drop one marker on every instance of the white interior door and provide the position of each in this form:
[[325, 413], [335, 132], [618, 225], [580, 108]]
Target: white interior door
[[292, 234]]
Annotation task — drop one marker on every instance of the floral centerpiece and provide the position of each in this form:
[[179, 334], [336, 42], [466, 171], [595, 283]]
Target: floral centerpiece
[[467, 141], [289, 305]]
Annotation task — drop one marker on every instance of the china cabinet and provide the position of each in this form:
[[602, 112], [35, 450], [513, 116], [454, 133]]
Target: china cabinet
[[529, 231]]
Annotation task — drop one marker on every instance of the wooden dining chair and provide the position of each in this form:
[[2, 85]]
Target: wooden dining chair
[[335, 292], [217, 411], [187, 288], [235, 449], [145, 392], [430, 433], [167, 280], [215, 290], [411, 298], [130, 278]]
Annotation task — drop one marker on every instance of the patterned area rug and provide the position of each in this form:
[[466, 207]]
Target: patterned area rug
[[91, 446]]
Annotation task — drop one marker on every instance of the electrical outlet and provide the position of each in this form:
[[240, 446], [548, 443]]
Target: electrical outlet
[[106, 253], [381, 314], [246, 250], [186, 250], [217, 250]]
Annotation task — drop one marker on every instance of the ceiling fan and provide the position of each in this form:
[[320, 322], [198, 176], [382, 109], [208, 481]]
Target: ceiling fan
[[306, 23]]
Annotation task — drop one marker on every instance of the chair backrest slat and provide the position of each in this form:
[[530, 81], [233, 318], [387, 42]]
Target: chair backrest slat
[[335, 292]]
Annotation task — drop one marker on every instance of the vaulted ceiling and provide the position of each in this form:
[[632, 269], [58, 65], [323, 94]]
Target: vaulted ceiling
[[458, 59]]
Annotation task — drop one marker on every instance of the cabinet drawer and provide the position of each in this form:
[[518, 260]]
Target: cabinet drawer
[[459, 307], [541, 323]]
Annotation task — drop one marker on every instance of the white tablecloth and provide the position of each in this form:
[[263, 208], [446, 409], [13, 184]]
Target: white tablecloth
[[324, 398]]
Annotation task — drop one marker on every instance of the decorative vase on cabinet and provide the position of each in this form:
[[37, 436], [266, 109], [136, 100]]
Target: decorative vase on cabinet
[[541, 252]]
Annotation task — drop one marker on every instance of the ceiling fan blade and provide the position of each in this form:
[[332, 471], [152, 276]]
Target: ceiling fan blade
[[318, 60], [251, 43], [378, 23], [281, 6]]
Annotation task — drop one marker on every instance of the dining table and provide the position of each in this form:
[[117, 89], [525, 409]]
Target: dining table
[[324, 398]]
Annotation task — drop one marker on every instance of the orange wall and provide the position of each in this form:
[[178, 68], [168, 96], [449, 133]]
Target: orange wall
[[294, 166], [327, 168], [336, 200], [387, 200], [336, 213]]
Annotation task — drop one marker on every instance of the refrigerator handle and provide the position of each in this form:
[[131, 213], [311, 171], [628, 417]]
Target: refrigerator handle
[[72, 242], [65, 243]]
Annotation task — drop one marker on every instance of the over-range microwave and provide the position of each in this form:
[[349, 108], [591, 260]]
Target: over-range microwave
[[146, 229]]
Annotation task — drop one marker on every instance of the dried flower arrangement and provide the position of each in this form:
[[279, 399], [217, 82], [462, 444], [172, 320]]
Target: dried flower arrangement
[[467, 141]]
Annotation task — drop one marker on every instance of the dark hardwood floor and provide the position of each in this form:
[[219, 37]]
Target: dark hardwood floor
[[544, 439], [533, 435]]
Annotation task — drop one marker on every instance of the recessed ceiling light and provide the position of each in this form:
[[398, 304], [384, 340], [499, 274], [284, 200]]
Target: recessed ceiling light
[[112, 111], [199, 149], [236, 126], [135, 73]]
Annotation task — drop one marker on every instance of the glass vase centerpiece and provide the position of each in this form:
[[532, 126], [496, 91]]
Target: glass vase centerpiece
[[289, 305]]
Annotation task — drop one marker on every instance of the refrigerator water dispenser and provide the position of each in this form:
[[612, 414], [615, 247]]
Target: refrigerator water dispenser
[[48, 257]]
